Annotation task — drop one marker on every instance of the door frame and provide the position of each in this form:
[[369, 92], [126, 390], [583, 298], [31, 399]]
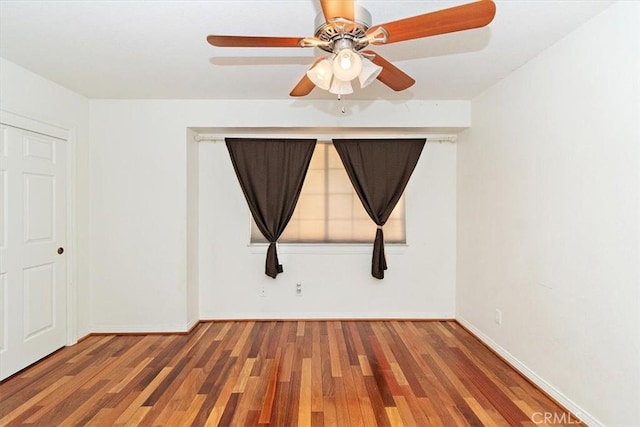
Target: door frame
[[69, 135]]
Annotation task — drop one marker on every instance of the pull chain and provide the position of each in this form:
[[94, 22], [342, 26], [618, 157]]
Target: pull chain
[[342, 110]]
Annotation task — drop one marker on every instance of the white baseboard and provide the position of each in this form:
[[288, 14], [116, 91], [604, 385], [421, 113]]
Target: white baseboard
[[191, 323], [562, 399], [141, 329], [173, 328], [329, 316]]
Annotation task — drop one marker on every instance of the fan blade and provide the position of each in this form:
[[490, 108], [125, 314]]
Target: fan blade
[[391, 75], [253, 41], [338, 9], [303, 88], [458, 18]]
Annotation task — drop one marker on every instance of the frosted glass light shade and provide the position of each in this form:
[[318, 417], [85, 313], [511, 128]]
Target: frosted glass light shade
[[369, 73], [321, 74], [340, 87], [347, 65]]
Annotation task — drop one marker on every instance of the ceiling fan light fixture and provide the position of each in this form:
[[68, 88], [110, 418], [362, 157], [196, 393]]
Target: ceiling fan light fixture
[[340, 87], [343, 29], [347, 64], [369, 73], [321, 74]]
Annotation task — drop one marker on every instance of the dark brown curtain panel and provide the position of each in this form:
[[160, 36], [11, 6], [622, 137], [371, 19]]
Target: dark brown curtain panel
[[271, 173], [379, 170]]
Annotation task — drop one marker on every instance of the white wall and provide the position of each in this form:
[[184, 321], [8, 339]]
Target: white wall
[[420, 281], [139, 233], [193, 227], [548, 219], [29, 95], [139, 218]]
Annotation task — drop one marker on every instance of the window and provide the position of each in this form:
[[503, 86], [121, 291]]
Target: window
[[329, 210]]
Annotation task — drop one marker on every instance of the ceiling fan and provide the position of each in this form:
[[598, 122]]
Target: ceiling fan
[[344, 30]]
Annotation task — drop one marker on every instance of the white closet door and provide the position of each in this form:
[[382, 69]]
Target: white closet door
[[33, 230]]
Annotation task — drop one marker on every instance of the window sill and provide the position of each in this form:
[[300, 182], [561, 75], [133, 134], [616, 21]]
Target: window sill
[[327, 248]]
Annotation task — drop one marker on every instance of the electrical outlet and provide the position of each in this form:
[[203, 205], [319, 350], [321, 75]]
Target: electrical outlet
[[498, 317], [298, 289], [261, 292]]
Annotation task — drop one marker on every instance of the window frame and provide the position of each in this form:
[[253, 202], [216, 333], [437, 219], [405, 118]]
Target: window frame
[[346, 247]]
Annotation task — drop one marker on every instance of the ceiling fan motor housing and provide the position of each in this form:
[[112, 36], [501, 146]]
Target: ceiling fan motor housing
[[340, 28]]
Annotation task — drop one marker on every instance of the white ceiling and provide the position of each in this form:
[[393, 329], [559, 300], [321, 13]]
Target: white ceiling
[[158, 49]]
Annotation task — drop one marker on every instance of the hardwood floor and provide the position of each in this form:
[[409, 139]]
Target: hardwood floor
[[278, 373]]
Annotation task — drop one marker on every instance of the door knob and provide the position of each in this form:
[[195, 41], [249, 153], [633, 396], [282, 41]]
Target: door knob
[[60, 251]]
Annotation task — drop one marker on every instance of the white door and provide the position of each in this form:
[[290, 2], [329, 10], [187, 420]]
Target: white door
[[33, 272]]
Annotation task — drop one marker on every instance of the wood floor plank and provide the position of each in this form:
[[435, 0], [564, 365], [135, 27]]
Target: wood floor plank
[[270, 393], [304, 407], [132, 410], [180, 400], [300, 329], [224, 405], [278, 373], [454, 389], [99, 418], [226, 326], [405, 412], [286, 364], [431, 412], [394, 416], [316, 371], [241, 384], [334, 352], [351, 394], [342, 403], [242, 341], [193, 410], [365, 368], [248, 402], [283, 407]]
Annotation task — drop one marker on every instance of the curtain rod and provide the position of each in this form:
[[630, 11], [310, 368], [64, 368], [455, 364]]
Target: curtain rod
[[439, 138]]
